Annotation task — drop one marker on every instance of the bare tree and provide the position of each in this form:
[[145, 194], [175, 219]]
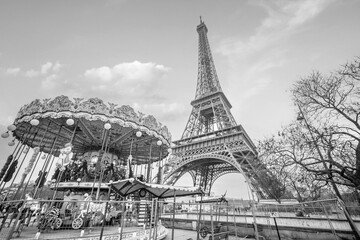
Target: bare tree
[[325, 146], [288, 155], [330, 106]]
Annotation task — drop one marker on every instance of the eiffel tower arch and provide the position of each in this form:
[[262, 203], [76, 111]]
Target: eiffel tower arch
[[213, 144]]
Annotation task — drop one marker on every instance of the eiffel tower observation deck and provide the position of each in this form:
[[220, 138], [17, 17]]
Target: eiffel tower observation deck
[[213, 144]]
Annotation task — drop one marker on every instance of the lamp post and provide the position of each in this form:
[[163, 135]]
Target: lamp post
[[333, 184]]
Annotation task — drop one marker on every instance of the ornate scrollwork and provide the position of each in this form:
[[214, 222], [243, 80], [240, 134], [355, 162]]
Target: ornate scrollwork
[[93, 109]]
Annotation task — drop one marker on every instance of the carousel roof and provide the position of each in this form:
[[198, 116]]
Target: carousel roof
[[91, 125], [128, 186]]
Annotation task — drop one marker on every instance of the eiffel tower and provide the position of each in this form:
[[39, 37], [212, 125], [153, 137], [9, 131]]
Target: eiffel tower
[[213, 144]]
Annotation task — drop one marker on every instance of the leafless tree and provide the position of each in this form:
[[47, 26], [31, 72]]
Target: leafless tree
[[324, 147]]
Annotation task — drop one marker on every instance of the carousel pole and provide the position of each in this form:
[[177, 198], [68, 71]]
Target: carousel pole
[[15, 225], [43, 174], [19, 152], [17, 156], [136, 162], [93, 186], [129, 173], [160, 167], [27, 151], [106, 134], [37, 160], [57, 182], [13, 159], [148, 175], [106, 209], [141, 169], [42, 171], [58, 179], [52, 161], [27, 170]]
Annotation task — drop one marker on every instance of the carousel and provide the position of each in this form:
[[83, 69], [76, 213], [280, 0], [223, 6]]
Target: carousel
[[78, 148]]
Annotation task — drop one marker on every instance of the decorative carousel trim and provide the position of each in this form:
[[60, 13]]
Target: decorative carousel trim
[[66, 185], [93, 109]]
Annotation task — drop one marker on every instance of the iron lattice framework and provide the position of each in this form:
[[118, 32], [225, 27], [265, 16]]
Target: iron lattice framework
[[212, 144]]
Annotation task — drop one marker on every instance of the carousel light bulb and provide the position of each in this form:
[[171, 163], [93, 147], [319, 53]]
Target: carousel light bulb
[[169, 150], [5, 135], [70, 122], [12, 143], [159, 143], [94, 160], [107, 126], [111, 181], [34, 122], [78, 180], [138, 133], [11, 127]]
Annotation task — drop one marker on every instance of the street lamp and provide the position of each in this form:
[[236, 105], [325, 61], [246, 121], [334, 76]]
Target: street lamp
[[301, 117]]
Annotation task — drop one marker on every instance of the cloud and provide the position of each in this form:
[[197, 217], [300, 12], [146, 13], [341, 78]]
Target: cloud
[[32, 73], [123, 83], [256, 59], [45, 69], [164, 111], [12, 71], [50, 82], [134, 71], [57, 66], [132, 79], [283, 18]]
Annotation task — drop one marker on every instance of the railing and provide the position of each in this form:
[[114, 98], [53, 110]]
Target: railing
[[51, 219], [322, 209]]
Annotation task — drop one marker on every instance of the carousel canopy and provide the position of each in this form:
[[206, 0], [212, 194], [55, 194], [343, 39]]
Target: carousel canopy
[[91, 125], [128, 186]]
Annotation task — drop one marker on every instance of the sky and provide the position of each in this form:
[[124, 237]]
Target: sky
[[144, 54]]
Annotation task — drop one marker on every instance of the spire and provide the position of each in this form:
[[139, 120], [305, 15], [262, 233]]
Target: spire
[[207, 82], [211, 108]]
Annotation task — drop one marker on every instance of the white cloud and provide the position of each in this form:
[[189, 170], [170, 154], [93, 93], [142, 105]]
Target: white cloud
[[256, 59], [284, 17], [50, 82], [101, 73], [32, 73], [134, 71], [124, 83], [134, 79], [168, 111], [46, 67], [12, 71], [57, 66]]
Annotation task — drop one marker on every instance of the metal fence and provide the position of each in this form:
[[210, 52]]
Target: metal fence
[[324, 208], [50, 219]]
